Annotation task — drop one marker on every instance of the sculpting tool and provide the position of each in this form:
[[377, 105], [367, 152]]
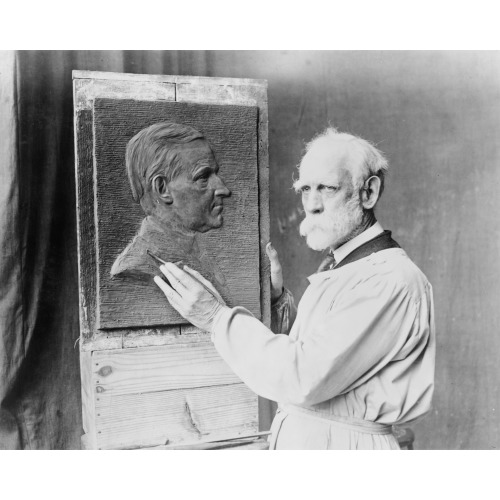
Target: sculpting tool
[[161, 261]]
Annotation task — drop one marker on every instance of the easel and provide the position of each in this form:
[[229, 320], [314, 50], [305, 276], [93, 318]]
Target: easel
[[161, 386]]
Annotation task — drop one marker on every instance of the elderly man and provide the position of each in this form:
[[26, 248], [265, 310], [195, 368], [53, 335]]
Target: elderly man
[[360, 355], [174, 176]]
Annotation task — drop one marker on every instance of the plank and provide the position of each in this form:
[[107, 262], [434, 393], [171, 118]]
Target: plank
[[88, 399], [193, 330], [85, 221], [264, 221], [244, 441], [159, 368], [234, 445], [143, 337], [174, 416], [88, 90], [207, 92], [134, 77], [154, 337], [101, 341]]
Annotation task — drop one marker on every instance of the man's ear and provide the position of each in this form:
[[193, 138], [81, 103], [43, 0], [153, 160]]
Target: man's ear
[[160, 189], [370, 193]]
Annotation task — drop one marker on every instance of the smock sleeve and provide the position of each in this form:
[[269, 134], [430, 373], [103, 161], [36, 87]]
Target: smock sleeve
[[283, 313], [362, 332]]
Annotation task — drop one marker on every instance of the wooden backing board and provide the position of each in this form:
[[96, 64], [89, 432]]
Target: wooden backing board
[[90, 85]]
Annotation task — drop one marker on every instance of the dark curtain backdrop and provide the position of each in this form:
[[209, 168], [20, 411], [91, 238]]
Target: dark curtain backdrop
[[436, 115]]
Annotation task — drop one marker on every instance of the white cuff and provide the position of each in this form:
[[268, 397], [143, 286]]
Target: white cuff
[[221, 317]]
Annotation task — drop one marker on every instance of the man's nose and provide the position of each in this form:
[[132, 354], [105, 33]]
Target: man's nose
[[220, 188], [313, 203]]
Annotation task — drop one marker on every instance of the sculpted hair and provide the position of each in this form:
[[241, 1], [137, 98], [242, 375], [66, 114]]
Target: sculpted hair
[[155, 150], [365, 160]]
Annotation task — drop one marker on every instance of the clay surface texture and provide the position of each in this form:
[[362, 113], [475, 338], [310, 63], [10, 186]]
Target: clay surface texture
[[226, 253]]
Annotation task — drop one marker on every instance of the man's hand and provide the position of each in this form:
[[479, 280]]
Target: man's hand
[[191, 295], [276, 273]]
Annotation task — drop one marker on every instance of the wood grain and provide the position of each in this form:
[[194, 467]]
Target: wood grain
[[234, 248], [143, 337], [159, 368], [88, 399], [193, 330], [102, 340], [134, 78], [155, 337], [85, 221], [235, 445], [88, 90], [174, 416], [207, 92]]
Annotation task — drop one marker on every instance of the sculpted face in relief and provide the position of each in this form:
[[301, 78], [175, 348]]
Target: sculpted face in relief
[[197, 192], [174, 175]]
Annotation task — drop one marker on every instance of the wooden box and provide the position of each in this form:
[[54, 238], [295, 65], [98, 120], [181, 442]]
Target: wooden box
[[148, 378]]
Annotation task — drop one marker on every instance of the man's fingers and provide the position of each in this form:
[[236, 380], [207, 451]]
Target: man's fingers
[[177, 277], [276, 272], [273, 258], [172, 296], [207, 283], [271, 251]]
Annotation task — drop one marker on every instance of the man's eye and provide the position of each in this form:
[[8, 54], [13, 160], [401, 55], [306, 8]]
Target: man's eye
[[305, 189], [203, 177], [330, 188]]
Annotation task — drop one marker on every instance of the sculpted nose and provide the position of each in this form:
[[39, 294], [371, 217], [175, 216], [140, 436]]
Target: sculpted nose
[[221, 189]]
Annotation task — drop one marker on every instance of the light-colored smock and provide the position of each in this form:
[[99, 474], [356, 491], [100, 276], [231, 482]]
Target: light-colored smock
[[359, 357]]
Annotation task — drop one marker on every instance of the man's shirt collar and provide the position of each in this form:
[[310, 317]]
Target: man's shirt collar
[[344, 250]]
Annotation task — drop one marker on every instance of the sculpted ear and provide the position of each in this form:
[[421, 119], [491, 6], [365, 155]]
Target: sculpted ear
[[160, 189], [370, 193]]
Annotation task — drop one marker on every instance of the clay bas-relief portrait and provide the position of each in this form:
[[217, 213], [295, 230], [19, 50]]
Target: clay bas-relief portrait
[[173, 174]]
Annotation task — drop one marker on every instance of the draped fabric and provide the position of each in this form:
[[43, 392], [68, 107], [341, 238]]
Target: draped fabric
[[11, 315], [40, 404]]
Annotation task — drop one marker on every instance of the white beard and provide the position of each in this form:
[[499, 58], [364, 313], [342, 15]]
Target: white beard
[[326, 230]]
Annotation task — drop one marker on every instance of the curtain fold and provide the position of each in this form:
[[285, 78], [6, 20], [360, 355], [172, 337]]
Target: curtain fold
[[11, 306]]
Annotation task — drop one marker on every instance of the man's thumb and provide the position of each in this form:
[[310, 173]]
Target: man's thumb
[[271, 252], [273, 258]]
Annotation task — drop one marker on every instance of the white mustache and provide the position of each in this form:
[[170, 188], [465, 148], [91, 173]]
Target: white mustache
[[321, 221], [326, 228]]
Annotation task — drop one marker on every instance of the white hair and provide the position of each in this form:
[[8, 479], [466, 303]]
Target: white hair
[[365, 160]]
